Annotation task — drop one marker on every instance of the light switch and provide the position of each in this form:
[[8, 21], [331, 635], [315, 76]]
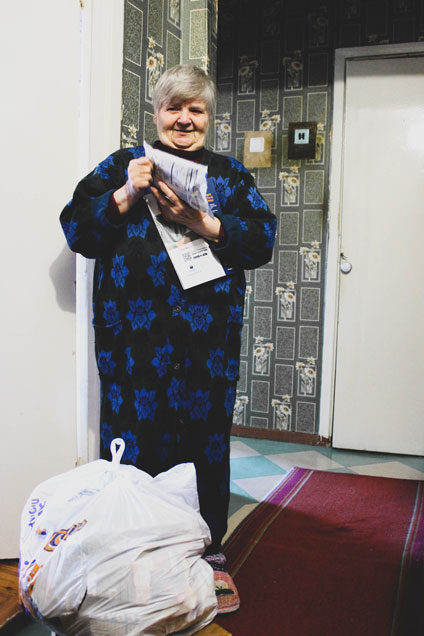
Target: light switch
[[257, 144], [302, 140]]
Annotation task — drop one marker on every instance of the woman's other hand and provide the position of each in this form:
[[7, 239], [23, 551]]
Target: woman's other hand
[[140, 177], [176, 210]]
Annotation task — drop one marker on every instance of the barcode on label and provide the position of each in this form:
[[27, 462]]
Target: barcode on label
[[186, 257]]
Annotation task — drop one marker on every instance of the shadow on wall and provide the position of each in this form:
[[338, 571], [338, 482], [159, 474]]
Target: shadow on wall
[[62, 274]]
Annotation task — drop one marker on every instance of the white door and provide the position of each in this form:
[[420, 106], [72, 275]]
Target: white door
[[379, 379]]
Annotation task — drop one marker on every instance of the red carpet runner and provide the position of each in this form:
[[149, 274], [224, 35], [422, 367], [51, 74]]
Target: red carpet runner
[[330, 554]]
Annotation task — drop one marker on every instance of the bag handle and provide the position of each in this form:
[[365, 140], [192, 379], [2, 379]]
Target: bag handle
[[117, 447]]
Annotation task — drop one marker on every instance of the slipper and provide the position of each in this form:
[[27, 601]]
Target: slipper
[[226, 592]]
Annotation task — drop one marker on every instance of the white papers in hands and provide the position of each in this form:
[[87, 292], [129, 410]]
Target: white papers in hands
[[186, 178], [191, 256]]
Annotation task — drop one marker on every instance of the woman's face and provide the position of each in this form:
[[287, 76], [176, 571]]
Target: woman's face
[[183, 125]]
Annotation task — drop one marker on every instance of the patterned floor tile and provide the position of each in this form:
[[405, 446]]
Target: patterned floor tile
[[237, 492], [267, 446], [352, 457], [360, 458], [238, 499], [240, 449], [256, 463], [304, 459], [389, 469], [409, 460], [253, 467], [237, 517], [259, 487]]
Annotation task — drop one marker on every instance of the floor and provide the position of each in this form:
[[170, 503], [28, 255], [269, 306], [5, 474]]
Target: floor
[[257, 466]]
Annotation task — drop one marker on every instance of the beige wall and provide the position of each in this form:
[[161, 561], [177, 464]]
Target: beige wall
[[49, 137]]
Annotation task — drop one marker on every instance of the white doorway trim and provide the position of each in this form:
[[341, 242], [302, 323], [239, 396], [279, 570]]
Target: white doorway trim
[[101, 51], [331, 294]]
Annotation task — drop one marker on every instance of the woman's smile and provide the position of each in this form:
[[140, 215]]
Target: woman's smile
[[183, 125]]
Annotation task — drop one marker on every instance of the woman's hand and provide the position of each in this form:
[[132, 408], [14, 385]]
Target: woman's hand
[[175, 210], [140, 176]]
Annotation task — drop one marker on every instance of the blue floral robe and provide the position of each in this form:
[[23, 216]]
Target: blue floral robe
[[168, 359]]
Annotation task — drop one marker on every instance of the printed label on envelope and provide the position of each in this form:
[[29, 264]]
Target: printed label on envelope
[[191, 256]]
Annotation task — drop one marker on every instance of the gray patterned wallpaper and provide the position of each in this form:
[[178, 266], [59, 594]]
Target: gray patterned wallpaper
[[275, 66], [159, 34], [273, 62]]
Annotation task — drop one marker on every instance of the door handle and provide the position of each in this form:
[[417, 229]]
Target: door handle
[[345, 265]]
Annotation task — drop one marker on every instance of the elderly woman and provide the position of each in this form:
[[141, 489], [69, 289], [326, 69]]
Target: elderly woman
[[168, 358]]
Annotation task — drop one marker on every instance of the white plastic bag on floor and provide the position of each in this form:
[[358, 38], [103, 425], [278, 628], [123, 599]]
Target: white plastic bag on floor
[[106, 549]]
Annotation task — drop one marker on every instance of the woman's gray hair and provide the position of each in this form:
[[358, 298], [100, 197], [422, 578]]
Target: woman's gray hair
[[184, 82]]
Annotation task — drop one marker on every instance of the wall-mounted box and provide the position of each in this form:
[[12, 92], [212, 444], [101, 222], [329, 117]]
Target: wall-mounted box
[[257, 149], [302, 140]]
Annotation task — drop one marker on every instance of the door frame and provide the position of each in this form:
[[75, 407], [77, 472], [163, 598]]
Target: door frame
[[100, 99], [331, 292]]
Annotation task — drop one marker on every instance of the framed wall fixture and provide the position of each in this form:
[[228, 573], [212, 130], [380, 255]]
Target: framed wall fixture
[[302, 140], [257, 149]]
